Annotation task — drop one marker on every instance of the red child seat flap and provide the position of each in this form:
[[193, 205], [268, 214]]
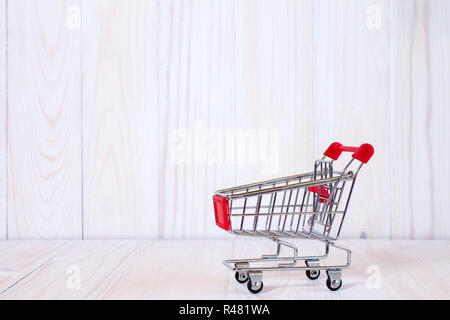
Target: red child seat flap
[[221, 212], [323, 192]]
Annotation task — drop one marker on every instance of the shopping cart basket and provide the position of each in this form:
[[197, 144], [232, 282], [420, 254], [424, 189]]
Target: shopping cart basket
[[310, 206]]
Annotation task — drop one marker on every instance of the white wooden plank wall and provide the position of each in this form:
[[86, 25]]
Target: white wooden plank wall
[[44, 127], [121, 118], [420, 119], [438, 134], [196, 92], [274, 100], [352, 100]]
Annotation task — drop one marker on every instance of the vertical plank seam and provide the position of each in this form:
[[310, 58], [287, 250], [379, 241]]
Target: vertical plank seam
[[6, 122], [410, 118], [236, 28], [158, 112], [427, 26], [165, 126], [82, 116], [391, 118], [313, 80]]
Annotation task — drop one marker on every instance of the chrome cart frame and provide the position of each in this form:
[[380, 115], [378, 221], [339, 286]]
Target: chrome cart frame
[[307, 206]]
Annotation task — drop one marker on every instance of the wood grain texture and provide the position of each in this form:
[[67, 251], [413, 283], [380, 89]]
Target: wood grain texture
[[404, 269], [196, 92], [44, 128], [274, 102], [21, 258], [352, 102], [420, 117], [3, 100], [120, 119], [97, 263], [439, 118], [125, 125], [131, 270], [135, 269], [182, 266]]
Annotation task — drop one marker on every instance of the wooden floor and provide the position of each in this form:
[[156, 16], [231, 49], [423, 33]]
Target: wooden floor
[[193, 269]]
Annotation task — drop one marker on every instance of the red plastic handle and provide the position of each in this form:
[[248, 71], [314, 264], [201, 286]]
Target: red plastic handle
[[362, 153]]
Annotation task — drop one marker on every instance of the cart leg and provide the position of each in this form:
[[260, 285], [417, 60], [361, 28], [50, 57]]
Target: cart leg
[[347, 251], [276, 255], [294, 258], [334, 281], [255, 284], [241, 276]]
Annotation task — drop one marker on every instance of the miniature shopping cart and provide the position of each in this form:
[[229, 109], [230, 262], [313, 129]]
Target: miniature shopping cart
[[310, 206]]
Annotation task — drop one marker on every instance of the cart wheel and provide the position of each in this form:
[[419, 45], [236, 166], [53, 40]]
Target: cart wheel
[[241, 277], [313, 274], [334, 285], [254, 289]]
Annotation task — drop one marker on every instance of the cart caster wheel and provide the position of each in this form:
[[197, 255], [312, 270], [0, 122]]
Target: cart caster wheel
[[241, 277], [313, 274], [334, 285], [254, 289]]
